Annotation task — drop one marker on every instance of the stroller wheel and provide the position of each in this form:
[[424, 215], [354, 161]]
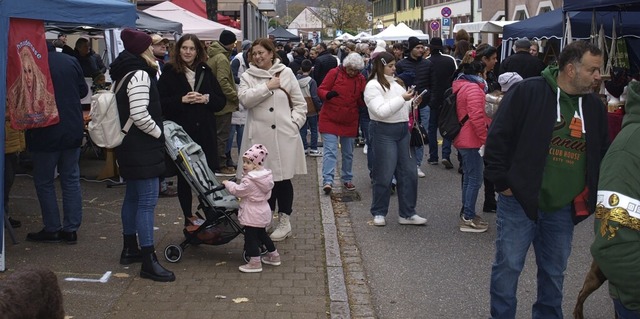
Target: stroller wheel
[[173, 253], [263, 251]]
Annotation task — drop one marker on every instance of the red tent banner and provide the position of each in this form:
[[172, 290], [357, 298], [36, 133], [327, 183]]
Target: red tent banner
[[30, 96]]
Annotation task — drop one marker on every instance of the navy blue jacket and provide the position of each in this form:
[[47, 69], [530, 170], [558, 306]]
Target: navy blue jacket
[[69, 87]]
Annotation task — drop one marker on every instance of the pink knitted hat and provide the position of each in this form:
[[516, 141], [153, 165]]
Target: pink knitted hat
[[256, 154]]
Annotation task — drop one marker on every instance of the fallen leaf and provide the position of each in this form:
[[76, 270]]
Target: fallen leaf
[[102, 237], [221, 297], [121, 275], [221, 263], [278, 304], [241, 299]]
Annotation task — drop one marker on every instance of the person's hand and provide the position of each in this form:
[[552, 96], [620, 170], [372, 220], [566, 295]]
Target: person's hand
[[507, 192], [191, 97], [417, 101], [202, 99], [273, 83], [331, 95], [408, 95]]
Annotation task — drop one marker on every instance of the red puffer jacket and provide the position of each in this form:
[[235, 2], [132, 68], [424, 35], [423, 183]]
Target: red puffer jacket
[[339, 115], [470, 100]]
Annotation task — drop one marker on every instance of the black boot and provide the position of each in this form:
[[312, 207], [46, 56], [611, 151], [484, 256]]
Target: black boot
[[130, 251], [229, 161], [151, 268]]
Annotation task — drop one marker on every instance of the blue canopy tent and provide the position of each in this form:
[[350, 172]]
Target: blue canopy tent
[[103, 13], [601, 5]]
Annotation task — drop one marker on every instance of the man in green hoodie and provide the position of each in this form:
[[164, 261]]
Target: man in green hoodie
[[616, 247], [543, 154], [219, 53]]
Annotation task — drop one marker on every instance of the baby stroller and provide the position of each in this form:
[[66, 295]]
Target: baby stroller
[[220, 208]]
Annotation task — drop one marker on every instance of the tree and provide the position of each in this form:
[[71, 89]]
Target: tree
[[345, 15], [212, 9]]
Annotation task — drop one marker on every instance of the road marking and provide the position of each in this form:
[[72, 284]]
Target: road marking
[[104, 279]]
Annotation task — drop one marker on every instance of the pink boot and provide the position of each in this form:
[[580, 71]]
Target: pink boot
[[272, 258], [254, 265]]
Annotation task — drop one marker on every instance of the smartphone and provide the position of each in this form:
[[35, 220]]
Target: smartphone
[[419, 95]]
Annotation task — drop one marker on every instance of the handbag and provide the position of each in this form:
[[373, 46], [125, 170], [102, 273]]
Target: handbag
[[419, 135]]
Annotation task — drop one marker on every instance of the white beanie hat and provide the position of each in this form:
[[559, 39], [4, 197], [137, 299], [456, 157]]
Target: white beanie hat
[[381, 46], [508, 79]]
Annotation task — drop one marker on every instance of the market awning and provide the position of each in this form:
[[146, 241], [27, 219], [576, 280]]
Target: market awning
[[482, 26]]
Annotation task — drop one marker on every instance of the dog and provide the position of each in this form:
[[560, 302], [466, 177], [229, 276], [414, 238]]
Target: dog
[[594, 279], [31, 293]]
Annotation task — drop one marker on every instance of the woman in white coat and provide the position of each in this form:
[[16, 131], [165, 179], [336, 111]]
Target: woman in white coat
[[276, 110]]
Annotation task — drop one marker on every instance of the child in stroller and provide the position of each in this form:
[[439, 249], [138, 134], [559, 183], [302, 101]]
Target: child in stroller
[[255, 214]]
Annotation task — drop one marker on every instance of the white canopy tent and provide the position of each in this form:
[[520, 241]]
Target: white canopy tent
[[482, 26], [400, 32], [363, 35], [191, 23], [345, 36]]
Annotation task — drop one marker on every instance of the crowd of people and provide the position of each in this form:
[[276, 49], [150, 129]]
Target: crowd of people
[[534, 135]]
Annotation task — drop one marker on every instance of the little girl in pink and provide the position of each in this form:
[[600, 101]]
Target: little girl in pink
[[255, 214]]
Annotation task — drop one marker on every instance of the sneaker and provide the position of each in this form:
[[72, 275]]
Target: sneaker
[[413, 220], [254, 265], [168, 192], [420, 173], [447, 163], [327, 189], [226, 172], [365, 149], [315, 153], [379, 220], [433, 162], [306, 151], [475, 225], [272, 258], [349, 186]]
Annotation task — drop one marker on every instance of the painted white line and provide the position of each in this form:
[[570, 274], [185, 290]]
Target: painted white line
[[103, 279]]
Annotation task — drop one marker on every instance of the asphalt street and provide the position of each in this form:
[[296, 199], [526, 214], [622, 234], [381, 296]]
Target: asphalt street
[[436, 271]]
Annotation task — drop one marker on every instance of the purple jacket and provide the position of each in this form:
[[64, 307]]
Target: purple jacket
[[254, 190]]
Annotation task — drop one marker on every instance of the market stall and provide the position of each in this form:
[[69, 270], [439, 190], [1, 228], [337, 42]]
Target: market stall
[[281, 34]]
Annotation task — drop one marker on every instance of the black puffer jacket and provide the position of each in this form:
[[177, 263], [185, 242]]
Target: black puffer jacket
[[443, 68], [424, 76], [324, 62], [140, 156]]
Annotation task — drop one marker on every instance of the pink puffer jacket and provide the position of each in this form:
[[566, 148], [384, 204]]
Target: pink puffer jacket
[[470, 100]]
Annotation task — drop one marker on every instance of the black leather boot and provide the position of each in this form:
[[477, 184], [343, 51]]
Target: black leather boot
[[130, 251], [229, 162], [151, 268]]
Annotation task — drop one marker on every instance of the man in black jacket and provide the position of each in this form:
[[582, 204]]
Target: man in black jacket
[[58, 147], [543, 154], [418, 71], [522, 62], [324, 62], [443, 68]]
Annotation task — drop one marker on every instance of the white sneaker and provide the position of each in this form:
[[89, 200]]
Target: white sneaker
[[420, 173], [365, 149], [378, 220], [315, 153], [413, 220]]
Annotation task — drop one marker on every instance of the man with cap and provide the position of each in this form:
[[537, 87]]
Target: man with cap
[[418, 71], [522, 62], [160, 46], [443, 68], [219, 53]]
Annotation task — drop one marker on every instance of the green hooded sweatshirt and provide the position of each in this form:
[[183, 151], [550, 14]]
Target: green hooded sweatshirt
[[221, 66], [616, 247], [565, 170]]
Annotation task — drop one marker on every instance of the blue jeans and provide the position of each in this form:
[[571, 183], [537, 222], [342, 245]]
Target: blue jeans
[[424, 119], [140, 199], [551, 236], [312, 124], [236, 130], [364, 121], [433, 139], [393, 156], [330, 155], [44, 166], [623, 312], [472, 172]]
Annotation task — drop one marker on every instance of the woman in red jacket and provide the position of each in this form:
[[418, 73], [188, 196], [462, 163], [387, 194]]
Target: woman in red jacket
[[341, 90], [470, 88]]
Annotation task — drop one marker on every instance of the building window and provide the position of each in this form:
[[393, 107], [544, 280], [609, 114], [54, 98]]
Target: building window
[[545, 9], [521, 15]]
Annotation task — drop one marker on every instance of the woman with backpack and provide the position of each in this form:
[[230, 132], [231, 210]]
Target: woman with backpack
[[141, 154], [470, 88], [190, 95]]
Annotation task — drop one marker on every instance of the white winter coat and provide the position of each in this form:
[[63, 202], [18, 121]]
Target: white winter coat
[[271, 122]]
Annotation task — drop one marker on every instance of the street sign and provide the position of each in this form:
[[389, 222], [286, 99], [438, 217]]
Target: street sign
[[435, 25], [446, 22], [445, 12]]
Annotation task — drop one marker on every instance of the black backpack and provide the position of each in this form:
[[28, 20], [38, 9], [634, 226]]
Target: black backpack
[[448, 123]]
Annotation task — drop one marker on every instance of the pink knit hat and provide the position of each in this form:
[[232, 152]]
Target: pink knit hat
[[256, 154]]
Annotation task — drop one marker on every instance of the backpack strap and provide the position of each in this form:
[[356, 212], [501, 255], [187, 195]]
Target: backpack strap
[[129, 122]]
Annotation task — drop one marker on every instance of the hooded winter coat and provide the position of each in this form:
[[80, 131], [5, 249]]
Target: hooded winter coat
[[616, 246], [271, 121], [254, 191], [339, 115], [470, 100], [221, 65]]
